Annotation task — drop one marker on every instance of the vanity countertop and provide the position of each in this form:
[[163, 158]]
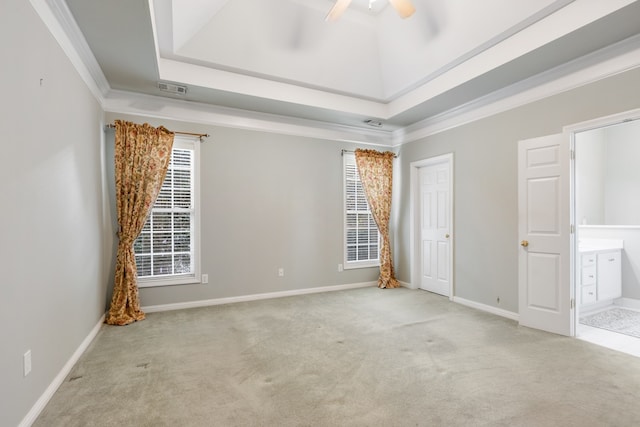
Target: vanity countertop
[[594, 245]]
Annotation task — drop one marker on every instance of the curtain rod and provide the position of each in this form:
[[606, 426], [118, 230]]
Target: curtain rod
[[199, 135], [395, 156]]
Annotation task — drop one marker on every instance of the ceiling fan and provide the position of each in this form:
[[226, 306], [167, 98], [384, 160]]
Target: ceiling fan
[[404, 8]]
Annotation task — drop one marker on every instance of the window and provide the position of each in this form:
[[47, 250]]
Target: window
[[167, 250], [361, 233]]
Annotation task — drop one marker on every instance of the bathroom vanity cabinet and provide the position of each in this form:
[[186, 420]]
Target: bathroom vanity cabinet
[[600, 275]]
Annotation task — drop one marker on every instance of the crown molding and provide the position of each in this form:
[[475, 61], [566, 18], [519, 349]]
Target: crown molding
[[58, 19], [606, 62], [195, 112], [614, 59]]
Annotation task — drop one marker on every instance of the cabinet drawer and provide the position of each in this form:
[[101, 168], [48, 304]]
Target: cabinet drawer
[[588, 294], [588, 275], [612, 258], [588, 259]]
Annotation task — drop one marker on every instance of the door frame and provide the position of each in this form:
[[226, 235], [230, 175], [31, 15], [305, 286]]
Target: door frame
[[570, 133], [414, 218]]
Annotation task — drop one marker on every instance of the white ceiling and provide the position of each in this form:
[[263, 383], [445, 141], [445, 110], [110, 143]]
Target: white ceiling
[[371, 56], [280, 56]]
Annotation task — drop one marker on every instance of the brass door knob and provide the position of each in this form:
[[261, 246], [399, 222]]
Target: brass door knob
[[524, 243], [446, 236]]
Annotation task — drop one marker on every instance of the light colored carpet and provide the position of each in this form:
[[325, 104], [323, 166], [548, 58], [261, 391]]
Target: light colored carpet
[[365, 357], [615, 319]]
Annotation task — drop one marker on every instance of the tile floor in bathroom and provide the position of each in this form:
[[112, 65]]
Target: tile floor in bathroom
[[620, 342]]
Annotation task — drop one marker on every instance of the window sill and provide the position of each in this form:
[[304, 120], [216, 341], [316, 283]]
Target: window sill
[[355, 265], [167, 281]]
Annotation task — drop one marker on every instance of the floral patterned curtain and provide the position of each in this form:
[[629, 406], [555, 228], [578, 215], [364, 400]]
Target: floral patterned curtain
[[376, 173], [142, 155]]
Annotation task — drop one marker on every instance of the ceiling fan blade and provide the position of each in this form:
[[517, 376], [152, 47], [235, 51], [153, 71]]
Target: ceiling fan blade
[[337, 10], [404, 7]]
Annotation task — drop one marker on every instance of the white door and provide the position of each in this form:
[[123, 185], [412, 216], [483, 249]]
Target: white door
[[544, 241], [435, 218]]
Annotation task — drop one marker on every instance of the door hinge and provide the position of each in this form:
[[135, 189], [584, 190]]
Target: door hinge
[[573, 303], [572, 229], [573, 154]]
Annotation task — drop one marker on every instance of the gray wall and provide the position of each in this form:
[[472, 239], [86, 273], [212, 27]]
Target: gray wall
[[607, 175], [268, 201], [590, 176], [51, 250], [622, 184], [486, 208]]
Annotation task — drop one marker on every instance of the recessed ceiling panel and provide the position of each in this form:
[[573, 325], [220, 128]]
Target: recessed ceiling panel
[[372, 54], [286, 40]]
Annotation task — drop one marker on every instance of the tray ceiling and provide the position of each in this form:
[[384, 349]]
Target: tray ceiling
[[281, 57]]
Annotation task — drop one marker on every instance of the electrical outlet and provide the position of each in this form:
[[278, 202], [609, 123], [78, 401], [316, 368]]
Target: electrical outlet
[[27, 362], [340, 268], [281, 272], [205, 278]]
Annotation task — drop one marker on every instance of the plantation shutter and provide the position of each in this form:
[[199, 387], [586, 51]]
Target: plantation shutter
[[165, 246], [362, 240]]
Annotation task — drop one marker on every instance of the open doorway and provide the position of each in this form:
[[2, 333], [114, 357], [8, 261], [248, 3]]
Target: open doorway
[[606, 209]]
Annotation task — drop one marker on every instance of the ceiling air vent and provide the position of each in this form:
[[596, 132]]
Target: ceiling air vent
[[170, 88], [374, 123]]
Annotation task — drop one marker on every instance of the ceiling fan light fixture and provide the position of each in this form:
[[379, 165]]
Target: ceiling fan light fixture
[[404, 7], [337, 10]]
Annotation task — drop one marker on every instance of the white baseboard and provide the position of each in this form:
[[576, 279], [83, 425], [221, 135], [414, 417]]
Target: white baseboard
[[478, 306], [493, 310], [31, 416], [596, 306], [254, 297], [628, 303]]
